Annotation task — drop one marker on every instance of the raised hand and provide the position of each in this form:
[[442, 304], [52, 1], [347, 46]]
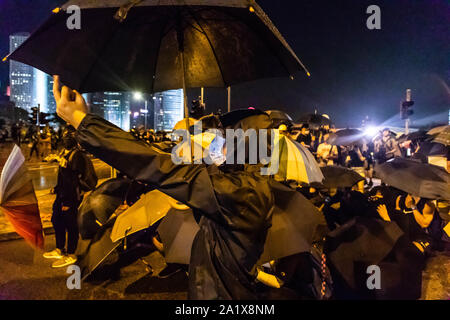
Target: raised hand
[[70, 105], [383, 212]]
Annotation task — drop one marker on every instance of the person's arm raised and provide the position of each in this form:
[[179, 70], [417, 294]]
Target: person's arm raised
[[189, 184], [70, 104]]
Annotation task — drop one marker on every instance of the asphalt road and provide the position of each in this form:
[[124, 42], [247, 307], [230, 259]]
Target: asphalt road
[[25, 274]]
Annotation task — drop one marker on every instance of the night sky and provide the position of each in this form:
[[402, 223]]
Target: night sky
[[355, 71]]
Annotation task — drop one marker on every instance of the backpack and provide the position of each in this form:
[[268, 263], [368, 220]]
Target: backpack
[[88, 179]]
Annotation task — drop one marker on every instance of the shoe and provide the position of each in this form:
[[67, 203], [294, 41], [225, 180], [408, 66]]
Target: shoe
[[54, 254], [170, 270], [65, 261]]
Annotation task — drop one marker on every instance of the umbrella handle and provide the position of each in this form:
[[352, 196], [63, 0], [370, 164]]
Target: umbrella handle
[[122, 13], [125, 238]]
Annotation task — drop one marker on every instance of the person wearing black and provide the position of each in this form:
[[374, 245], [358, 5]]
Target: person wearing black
[[198, 110], [233, 204], [304, 138], [35, 141], [72, 167]]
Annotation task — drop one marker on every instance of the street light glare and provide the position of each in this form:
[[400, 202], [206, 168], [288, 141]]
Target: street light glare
[[371, 131], [137, 96]]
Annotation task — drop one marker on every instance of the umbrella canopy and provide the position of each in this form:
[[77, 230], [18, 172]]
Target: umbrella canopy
[[178, 230], [294, 162], [100, 204], [359, 243], [315, 121], [18, 200], [181, 125], [346, 137], [340, 177], [97, 251], [158, 45], [438, 130], [414, 136], [151, 208], [231, 119], [428, 148], [441, 135], [279, 117], [416, 178], [295, 224]]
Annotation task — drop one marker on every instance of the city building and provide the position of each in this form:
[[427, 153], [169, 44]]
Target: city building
[[30, 87], [112, 106], [169, 109], [21, 76], [159, 111]]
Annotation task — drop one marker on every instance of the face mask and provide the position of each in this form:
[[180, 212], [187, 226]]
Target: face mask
[[216, 151]]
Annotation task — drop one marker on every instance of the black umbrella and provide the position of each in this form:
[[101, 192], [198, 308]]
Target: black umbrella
[[100, 204], [416, 178], [428, 148], [296, 224], [414, 136], [315, 121], [230, 119], [158, 45], [100, 250], [441, 135], [178, 230], [340, 177], [279, 117], [356, 245], [346, 137]]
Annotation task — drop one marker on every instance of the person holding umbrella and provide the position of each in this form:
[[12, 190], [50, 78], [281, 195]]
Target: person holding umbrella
[[233, 207]]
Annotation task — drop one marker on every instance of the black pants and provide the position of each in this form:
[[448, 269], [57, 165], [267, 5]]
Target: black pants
[[34, 148], [65, 222]]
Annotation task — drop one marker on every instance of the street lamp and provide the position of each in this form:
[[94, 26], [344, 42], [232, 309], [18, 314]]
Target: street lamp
[[138, 96]]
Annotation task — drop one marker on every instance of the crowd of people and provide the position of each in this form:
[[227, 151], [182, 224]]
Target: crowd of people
[[232, 204], [38, 142]]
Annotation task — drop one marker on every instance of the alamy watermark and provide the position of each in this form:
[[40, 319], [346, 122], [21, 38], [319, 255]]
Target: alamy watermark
[[74, 280], [374, 280], [374, 20], [237, 147]]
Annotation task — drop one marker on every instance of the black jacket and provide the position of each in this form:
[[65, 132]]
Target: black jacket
[[67, 188], [235, 208]]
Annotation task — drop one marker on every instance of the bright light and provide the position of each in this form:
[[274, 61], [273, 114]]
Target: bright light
[[371, 131], [136, 114], [138, 96]]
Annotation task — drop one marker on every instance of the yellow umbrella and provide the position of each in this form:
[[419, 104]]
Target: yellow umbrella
[[291, 161], [150, 208], [181, 125]]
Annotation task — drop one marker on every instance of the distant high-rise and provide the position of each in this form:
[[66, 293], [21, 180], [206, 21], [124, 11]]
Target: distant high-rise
[[112, 106], [21, 76], [168, 109], [29, 86]]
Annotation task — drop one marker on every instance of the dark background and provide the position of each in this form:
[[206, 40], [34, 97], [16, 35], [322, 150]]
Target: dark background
[[355, 71]]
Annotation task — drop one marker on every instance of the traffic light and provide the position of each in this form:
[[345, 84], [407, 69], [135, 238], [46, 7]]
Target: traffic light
[[406, 110], [406, 106], [45, 118], [34, 115]]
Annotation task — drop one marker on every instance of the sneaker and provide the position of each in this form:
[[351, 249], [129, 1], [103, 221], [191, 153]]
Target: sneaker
[[65, 261], [170, 270], [54, 254]]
